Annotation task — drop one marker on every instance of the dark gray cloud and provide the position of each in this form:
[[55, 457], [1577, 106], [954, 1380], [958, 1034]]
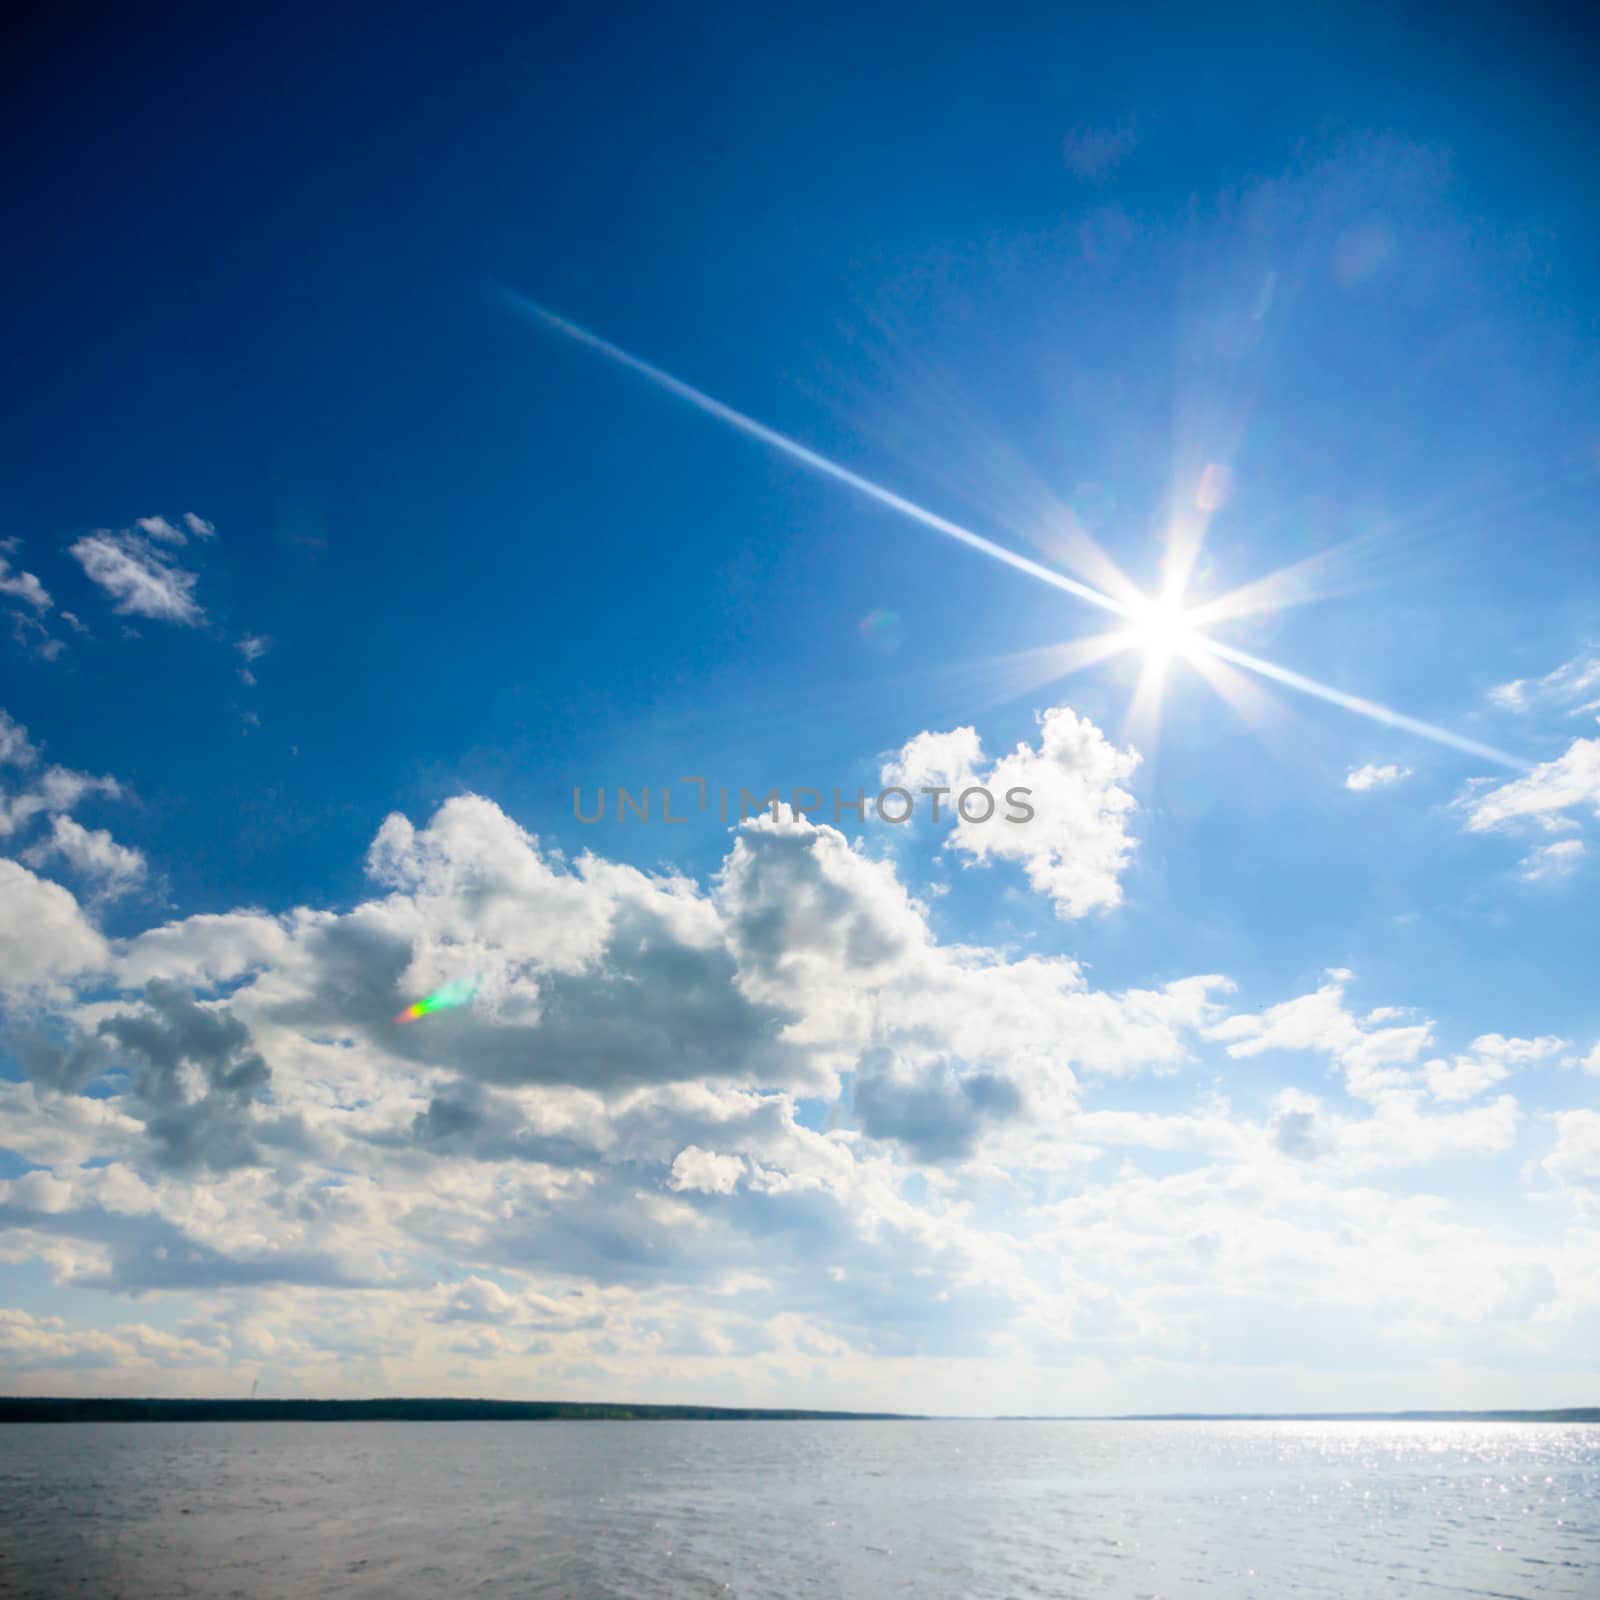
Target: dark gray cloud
[[468, 1120], [188, 1132], [652, 1009], [68, 1066], [935, 1111]]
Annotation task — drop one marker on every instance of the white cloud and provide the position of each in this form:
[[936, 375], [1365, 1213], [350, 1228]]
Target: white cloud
[[160, 529], [1516, 1052], [606, 1149], [1075, 846], [54, 791], [705, 1172], [44, 938], [1576, 1157], [23, 586], [1569, 683], [208, 951], [164, 532], [16, 749], [1550, 863], [140, 574], [1464, 1078], [1551, 788], [129, 1350], [1372, 776], [1488, 1060], [113, 869], [62, 1129], [1373, 1059]]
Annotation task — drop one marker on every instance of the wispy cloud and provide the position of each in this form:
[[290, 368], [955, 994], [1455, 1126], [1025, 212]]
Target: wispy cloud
[[1095, 153], [1571, 683], [16, 748], [1551, 863], [51, 793], [164, 532], [1553, 787], [1373, 776], [138, 568], [23, 586], [32, 635]]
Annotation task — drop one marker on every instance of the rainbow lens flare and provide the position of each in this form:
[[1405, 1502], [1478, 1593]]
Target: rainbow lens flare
[[455, 993], [883, 631]]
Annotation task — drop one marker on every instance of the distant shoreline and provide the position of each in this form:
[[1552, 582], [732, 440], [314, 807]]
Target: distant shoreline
[[64, 1409]]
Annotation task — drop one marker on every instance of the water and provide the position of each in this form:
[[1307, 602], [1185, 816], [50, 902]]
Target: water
[[417, 1511]]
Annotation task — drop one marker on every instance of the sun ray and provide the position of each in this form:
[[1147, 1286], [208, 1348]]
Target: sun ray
[[1161, 626], [1300, 583], [1033, 669], [960, 447], [1365, 708], [1141, 724], [808, 457], [1237, 690]]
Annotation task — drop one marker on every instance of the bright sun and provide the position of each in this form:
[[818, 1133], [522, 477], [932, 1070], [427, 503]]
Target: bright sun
[[1162, 628]]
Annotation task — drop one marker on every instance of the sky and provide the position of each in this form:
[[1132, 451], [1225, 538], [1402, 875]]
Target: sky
[[417, 435]]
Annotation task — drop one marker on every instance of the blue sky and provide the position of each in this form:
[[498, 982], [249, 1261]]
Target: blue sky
[[1263, 1064]]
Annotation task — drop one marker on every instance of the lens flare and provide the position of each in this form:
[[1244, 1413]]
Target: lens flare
[[883, 630], [455, 993]]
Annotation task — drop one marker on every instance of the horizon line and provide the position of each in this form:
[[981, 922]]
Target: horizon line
[[62, 1408]]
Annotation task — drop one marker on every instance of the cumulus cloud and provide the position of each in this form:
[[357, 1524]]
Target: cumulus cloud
[[1374, 1059], [616, 1154], [705, 1172], [45, 940], [195, 1076], [635, 1058], [1373, 776], [935, 1109], [1576, 1156], [1076, 845], [112, 869], [138, 569], [1489, 1060]]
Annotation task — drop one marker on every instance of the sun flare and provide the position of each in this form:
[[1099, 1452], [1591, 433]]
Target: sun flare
[[1162, 628]]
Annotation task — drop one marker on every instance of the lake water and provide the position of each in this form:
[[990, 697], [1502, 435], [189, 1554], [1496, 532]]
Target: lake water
[[434, 1511]]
